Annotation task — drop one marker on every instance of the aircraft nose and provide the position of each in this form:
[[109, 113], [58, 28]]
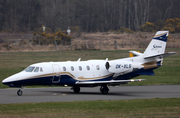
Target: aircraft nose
[[13, 81], [6, 81], [10, 80], [3, 82]]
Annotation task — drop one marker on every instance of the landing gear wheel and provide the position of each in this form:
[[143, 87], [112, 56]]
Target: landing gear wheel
[[104, 89], [76, 89], [19, 92]]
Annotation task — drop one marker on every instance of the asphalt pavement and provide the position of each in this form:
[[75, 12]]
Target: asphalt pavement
[[64, 94]]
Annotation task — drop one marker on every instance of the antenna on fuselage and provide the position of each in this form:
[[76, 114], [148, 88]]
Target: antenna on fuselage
[[79, 59], [106, 59]]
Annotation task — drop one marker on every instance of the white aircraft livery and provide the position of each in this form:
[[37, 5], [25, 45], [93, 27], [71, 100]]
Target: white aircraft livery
[[93, 73]]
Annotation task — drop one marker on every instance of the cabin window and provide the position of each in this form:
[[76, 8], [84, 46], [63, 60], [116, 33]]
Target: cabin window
[[41, 70], [29, 69], [64, 68], [88, 68], [72, 68], [97, 67], [37, 69], [80, 68]]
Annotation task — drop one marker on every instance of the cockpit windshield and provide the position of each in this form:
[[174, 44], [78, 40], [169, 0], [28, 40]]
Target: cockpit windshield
[[33, 69], [29, 69]]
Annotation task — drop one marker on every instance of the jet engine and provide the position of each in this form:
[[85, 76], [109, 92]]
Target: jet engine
[[122, 67], [119, 66]]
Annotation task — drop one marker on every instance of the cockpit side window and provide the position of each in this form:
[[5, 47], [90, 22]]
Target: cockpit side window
[[37, 69], [41, 70], [29, 69]]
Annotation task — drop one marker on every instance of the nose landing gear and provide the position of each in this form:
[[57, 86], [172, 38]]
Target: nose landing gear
[[20, 91]]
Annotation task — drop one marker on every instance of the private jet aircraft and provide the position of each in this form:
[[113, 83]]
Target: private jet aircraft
[[93, 73]]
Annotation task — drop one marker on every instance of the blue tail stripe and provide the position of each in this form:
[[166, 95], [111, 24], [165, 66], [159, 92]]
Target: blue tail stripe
[[162, 38]]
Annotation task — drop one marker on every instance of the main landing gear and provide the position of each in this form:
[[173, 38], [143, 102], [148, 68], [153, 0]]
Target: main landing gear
[[20, 91], [76, 89], [104, 89]]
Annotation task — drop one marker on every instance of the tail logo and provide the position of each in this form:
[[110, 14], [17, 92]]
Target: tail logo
[[155, 47]]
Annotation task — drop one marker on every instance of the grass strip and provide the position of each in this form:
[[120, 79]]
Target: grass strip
[[164, 107]]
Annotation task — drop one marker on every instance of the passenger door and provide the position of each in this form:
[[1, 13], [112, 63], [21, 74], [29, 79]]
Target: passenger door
[[56, 73]]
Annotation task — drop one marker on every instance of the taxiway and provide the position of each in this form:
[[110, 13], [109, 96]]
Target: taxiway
[[64, 94]]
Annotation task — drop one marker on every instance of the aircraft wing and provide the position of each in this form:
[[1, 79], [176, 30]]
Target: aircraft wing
[[110, 82]]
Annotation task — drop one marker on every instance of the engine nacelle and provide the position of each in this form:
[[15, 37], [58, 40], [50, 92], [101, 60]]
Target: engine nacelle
[[119, 66]]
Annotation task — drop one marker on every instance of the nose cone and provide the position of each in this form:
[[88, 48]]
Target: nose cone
[[4, 81], [11, 80], [8, 80]]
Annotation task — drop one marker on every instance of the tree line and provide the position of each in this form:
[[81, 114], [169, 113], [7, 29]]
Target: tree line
[[173, 25], [88, 15]]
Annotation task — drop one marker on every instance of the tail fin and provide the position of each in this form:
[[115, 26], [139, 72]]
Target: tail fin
[[157, 45]]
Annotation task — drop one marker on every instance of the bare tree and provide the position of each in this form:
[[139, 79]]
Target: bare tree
[[89, 15]]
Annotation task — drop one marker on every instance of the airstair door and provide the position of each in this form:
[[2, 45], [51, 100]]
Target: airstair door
[[56, 74]]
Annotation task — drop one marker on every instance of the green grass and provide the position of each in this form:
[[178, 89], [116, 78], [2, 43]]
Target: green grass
[[169, 107], [13, 62]]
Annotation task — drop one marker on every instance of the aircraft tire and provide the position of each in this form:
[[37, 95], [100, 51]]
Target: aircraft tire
[[19, 92], [101, 89], [76, 89], [104, 89]]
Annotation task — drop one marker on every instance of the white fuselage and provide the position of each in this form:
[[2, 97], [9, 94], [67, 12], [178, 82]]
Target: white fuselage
[[70, 72]]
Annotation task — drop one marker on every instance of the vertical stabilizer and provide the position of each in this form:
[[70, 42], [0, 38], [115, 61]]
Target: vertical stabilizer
[[157, 45]]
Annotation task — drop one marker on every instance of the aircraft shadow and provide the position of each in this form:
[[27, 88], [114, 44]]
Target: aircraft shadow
[[95, 93]]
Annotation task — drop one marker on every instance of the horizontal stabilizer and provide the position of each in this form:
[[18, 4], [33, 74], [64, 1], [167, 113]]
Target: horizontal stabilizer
[[136, 53], [161, 55], [110, 82]]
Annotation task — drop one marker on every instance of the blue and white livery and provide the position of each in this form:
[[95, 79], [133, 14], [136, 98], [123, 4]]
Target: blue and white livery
[[93, 73]]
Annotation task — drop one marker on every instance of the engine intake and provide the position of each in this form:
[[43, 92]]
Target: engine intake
[[107, 65]]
